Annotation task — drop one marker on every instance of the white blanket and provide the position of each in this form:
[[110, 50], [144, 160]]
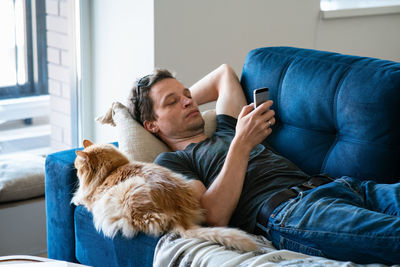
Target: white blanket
[[174, 251]]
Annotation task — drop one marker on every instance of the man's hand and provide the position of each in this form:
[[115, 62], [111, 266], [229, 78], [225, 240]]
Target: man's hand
[[254, 125]]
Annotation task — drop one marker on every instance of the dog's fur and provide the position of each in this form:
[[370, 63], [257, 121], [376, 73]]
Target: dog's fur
[[135, 196]]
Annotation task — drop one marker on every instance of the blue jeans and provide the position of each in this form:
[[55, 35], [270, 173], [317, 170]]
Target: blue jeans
[[347, 220]]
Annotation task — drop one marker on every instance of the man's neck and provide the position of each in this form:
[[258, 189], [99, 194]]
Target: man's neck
[[182, 143]]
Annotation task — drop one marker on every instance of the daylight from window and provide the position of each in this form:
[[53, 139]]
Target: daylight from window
[[327, 5], [12, 45]]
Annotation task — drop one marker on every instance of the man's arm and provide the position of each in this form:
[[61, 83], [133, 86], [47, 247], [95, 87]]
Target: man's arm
[[221, 198]]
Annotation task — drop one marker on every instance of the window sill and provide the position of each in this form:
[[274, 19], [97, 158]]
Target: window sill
[[357, 12], [24, 107], [17, 136]]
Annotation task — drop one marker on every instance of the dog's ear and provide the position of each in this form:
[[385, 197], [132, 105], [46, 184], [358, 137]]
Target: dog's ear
[[87, 143], [82, 154]]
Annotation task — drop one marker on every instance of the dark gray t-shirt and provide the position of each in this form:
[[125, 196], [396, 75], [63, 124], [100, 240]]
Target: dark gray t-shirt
[[266, 173]]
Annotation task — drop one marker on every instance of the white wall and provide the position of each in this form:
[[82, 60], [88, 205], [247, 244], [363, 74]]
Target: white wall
[[122, 46], [372, 36], [193, 37], [196, 36]]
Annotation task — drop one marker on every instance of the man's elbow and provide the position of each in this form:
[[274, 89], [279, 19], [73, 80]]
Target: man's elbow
[[226, 69], [226, 72], [216, 220]]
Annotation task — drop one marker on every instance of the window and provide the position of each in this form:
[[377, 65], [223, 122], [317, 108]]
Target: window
[[23, 52], [327, 5], [24, 99], [331, 9]]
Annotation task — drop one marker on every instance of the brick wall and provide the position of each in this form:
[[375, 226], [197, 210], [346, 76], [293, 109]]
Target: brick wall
[[58, 56]]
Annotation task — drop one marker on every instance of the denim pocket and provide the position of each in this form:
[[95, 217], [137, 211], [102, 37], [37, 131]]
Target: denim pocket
[[285, 243]]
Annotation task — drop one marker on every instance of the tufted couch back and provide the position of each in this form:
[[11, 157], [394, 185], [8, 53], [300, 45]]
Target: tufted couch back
[[336, 114]]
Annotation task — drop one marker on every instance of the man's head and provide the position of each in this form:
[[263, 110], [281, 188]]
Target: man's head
[[164, 106], [140, 104]]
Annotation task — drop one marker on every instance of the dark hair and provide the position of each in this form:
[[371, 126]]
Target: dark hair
[[140, 105]]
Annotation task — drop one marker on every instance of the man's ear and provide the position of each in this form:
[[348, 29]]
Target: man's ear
[[151, 126]]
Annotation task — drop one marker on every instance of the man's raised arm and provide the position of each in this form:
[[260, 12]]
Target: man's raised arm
[[222, 85]]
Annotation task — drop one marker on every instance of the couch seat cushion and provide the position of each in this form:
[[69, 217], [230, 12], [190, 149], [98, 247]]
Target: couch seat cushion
[[21, 177]]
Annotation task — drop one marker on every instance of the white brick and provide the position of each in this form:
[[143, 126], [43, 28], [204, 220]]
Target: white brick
[[52, 7], [56, 133], [53, 55], [60, 119], [64, 8], [60, 104], [58, 40], [57, 24], [66, 90], [65, 58], [54, 87], [67, 137], [58, 73]]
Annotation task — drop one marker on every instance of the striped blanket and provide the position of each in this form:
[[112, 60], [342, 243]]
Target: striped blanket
[[174, 251]]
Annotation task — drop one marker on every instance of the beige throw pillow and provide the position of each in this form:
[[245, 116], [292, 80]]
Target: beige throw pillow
[[137, 143]]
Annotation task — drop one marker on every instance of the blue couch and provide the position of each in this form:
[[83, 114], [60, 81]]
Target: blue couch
[[336, 114]]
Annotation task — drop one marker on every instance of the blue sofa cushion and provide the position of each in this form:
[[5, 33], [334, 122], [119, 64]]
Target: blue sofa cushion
[[336, 114], [92, 248]]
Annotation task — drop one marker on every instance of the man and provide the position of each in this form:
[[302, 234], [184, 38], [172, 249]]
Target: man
[[241, 183]]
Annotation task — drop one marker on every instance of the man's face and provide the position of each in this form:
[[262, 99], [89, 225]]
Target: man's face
[[177, 115]]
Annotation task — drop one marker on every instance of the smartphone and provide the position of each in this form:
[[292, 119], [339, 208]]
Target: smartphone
[[260, 95]]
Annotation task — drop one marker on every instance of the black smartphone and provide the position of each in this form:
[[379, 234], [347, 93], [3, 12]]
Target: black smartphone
[[260, 96]]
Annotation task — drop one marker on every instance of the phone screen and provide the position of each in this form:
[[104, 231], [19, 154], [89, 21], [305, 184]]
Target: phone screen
[[260, 96]]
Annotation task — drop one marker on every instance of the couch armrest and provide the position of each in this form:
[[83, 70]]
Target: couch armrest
[[61, 181]]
